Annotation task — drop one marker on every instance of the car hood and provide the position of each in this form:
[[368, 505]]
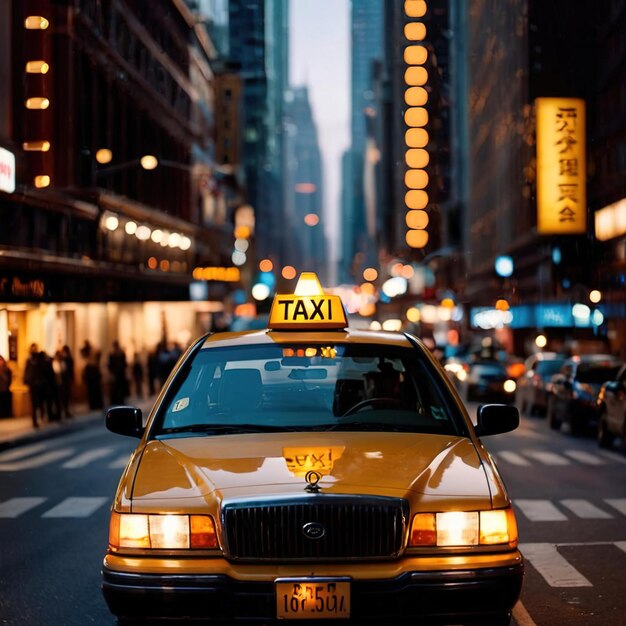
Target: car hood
[[199, 470]]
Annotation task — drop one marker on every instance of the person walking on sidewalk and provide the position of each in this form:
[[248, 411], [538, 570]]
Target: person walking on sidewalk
[[36, 378], [117, 367], [6, 398], [66, 379]]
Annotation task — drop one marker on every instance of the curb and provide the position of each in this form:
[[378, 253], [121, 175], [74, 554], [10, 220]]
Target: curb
[[49, 431]]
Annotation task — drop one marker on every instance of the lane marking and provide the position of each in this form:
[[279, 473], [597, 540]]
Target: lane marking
[[540, 510], [87, 457], [512, 457], [584, 509], [19, 453], [37, 461], [617, 503], [548, 458], [585, 457], [556, 571], [75, 507], [16, 506], [621, 545], [613, 456], [521, 615]]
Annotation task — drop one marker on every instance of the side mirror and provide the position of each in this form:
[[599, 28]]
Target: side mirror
[[125, 420], [493, 419]]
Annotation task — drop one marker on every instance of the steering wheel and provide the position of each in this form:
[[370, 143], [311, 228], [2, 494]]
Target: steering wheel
[[372, 402]]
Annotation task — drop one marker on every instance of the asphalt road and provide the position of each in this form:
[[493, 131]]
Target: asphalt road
[[570, 498]]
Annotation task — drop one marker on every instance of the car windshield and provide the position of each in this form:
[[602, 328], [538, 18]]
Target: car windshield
[[547, 368], [260, 388], [596, 374]]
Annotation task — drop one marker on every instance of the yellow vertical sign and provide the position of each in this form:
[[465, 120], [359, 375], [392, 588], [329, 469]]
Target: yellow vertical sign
[[561, 166]]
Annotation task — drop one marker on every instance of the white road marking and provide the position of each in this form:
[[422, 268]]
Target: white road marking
[[87, 457], [512, 457], [37, 461], [585, 457], [76, 507], [614, 456], [16, 506], [20, 453], [556, 571], [584, 509], [120, 462], [617, 503], [548, 458], [540, 510]]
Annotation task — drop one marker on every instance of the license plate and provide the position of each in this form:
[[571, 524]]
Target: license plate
[[312, 599]]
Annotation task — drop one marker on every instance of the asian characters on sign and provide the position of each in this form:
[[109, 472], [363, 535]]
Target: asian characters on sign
[[561, 166]]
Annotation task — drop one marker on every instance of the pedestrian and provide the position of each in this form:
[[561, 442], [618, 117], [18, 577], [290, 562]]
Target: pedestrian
[[92, 376], [51, 393], [117, 368], [65, 378], [137, 372], [36, 378], [6, 397]]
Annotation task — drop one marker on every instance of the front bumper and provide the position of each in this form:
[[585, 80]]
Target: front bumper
[[475, 594]]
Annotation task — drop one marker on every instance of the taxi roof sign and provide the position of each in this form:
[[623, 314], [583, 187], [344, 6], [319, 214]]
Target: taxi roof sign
[[308, 308]]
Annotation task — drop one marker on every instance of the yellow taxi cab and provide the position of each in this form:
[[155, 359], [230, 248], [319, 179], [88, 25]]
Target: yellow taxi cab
[[311, 471]]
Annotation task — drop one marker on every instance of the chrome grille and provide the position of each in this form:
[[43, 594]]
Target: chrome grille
[[359, 527]]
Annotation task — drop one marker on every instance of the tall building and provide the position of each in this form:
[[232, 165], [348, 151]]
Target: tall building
[[99, 243], [366, 48], [258, 51], [303, 233]]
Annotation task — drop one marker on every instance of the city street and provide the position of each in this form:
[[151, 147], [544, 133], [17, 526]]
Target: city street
[[570, 498]]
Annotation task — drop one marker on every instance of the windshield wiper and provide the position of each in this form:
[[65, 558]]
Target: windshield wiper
[[225, 429]]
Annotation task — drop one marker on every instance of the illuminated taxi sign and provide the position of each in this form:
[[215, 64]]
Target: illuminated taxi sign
[[307, 308]]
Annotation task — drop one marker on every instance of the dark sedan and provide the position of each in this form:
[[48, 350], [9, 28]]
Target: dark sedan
[[486, 381], [532, 387], [574, 392]]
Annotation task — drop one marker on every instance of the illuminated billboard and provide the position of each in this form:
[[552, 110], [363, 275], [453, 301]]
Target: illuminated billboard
[[561, 166]]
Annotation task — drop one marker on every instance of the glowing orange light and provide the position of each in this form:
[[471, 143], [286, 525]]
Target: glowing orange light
[[416, 96], [416, 138], [367, 309], [415, 55], [407, 272], [415, 8], [369, 273], [415, 31], [289, 272], [416, 219], [164, 265], [305, 187], [416, 179], [311, 219], [502, 304], [416, 238], [153, 264], [368, 289], [242, 232], [266, 265], [416, 199]]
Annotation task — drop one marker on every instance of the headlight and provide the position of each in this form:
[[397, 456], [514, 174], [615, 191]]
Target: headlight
[[460, 528], [165, 532], [509, 385]]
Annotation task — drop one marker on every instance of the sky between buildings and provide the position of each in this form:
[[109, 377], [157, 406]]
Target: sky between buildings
[[320, 58]]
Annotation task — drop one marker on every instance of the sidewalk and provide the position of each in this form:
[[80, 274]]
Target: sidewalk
[[17, 431]]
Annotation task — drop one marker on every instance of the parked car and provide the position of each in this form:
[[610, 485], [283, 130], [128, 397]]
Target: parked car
[[531, 395], [612, 407], [574, 391], [486, 381]]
